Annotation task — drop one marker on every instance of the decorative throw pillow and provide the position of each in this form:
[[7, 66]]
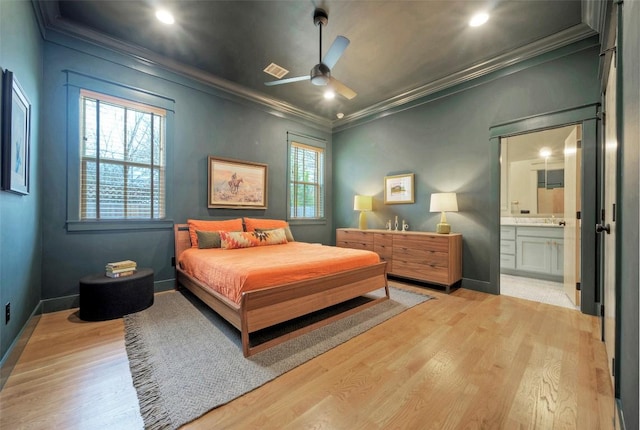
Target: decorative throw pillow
[[202, 225], [209, 239], [287, 232], [248, 239], [252, 224]]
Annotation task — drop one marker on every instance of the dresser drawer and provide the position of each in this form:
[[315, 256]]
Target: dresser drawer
[[421, 256], [355, 245], [434, 274], [356, 239], [383, 244], [427, 242]]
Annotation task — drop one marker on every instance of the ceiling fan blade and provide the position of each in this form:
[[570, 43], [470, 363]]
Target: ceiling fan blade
[[287, 81], [342, 89], [335, 52]]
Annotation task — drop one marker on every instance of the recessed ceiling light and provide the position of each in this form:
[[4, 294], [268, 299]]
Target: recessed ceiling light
[[340, 115], [165, 16], [329, 94], [545, 152], [478, 19]]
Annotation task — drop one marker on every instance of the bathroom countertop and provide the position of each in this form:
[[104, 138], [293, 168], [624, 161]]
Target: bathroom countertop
[[531, 222]]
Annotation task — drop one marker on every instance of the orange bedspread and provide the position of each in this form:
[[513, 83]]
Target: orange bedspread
[[233, 271]]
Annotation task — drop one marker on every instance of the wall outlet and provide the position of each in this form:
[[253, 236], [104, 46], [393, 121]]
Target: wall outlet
[[7, 313]]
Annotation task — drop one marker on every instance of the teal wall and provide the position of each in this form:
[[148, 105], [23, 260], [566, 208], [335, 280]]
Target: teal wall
[[20, 226], [628, 224], [444, 141], [205, 123]]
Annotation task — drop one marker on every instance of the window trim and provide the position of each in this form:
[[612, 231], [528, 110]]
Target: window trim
[[77, 82], [312, 142]]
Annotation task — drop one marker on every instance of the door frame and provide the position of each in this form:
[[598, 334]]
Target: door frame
[[587, 116]]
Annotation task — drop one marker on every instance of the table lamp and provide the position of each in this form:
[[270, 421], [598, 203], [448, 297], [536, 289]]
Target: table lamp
[[443, 202], [362, 204]]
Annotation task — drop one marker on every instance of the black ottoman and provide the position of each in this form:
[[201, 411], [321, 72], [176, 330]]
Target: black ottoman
[[103, 298]]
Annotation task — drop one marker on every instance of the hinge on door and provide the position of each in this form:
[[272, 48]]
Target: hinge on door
[[578, 215], [602, 310], [577, 286]]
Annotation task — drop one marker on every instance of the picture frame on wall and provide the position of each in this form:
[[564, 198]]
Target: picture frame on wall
[[398, 189], [236, 184], [16, 135]]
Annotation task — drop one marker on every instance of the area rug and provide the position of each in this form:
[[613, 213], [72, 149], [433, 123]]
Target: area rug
[[185, 360]]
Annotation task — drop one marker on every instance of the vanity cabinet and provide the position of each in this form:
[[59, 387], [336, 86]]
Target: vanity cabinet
[[538, 251], [508, 247], [428, 257]]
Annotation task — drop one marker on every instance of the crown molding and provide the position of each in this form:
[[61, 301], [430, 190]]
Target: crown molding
[[571, 35], [50, 22]]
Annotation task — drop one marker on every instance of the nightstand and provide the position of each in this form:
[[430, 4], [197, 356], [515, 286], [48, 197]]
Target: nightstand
[[104, 298]]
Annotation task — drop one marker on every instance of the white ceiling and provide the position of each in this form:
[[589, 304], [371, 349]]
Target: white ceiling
[[527, 146], [399, 50]]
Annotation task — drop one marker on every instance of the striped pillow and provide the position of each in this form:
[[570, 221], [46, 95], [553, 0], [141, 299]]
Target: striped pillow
[[241, 239]]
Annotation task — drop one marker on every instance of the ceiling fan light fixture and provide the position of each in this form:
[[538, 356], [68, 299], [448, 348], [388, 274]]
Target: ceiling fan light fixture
[[478, 19], [165, 17], [320, 74]]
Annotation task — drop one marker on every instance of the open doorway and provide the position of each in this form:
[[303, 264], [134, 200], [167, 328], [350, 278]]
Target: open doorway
[[540, 205]]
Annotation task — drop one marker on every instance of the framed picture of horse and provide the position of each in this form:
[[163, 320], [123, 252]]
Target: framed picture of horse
[[236, 184]]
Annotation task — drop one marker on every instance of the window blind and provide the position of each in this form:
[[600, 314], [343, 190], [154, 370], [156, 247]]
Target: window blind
[[306, 181], [122, 165]]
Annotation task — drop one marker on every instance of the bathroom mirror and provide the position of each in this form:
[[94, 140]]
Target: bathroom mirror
[[533, 172]]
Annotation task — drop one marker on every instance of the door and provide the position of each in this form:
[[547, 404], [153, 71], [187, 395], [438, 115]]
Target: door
[[572, 186], [608, 236]]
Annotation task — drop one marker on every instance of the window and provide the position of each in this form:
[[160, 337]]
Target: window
[[306, 181], [122, 159]]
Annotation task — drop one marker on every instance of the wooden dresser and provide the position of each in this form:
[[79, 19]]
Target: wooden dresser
[[428, 257]]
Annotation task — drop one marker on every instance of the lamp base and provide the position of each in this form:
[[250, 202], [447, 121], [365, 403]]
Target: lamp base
[[443, 228], [362, 222]]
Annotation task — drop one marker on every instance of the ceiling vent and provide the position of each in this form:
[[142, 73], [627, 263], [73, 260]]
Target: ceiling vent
[[276, 71]]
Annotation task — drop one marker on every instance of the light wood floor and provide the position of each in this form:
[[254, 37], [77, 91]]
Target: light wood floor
[[468, 360]]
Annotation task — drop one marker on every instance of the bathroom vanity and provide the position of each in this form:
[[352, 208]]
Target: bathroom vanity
[[534, 250]]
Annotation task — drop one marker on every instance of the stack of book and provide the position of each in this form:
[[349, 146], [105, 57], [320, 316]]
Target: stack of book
[[119, 269]]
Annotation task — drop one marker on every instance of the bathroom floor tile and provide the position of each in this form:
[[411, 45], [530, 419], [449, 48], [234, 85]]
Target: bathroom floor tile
[[535, 289]]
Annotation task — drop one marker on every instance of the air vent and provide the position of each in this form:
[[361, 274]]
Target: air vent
[[276, 71]]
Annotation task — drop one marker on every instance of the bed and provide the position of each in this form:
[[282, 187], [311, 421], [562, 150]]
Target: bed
[[272, 293]]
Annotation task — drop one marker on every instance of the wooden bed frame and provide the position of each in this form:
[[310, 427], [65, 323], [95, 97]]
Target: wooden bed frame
[[269, 306]]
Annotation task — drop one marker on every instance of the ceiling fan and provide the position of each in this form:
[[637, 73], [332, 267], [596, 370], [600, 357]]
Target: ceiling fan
[[321, 72]]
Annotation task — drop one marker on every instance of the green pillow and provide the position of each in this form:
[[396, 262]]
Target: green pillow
[[208, 239], [287, 232]]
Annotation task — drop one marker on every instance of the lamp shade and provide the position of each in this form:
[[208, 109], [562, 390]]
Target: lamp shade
[[362, 203], [444, 202]]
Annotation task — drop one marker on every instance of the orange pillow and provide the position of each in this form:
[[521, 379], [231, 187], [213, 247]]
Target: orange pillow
[[202, 225], [252, 224]]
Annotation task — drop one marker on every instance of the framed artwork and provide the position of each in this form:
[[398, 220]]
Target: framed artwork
[[237, 184], [16, 128], [398, 189]]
